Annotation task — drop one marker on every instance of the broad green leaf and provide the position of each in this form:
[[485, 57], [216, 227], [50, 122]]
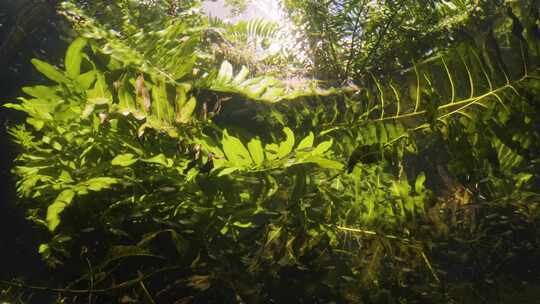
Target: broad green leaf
[[86, 80], [63, 200], [124, 160], [271, 151], [324, 162], [184, 116], [323, 147], [97, 184], [100, 93], [126, 101], [41, 92], [286, 146], [38, 124], [161, 160], [50, 71], [228, 171], [160, 105], [181, 95], [209, 144], [65, 177], [256, 150], [185, 67], [37, 108], [235, 151], [307, 142], [74, 57]]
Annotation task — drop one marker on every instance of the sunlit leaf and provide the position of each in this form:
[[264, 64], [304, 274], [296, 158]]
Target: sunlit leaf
[[323, 147], [160, 159], [97, 183], [307, 142], [50, 71], [234, 150], [63, 200], [286, 146], [256, 150], [74, 57], [124, 160], [186, 112]]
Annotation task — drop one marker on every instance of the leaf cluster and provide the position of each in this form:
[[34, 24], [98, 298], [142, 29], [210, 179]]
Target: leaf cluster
[[146, 154]]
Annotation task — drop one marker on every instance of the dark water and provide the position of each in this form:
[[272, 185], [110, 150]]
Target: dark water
[[18, 254]]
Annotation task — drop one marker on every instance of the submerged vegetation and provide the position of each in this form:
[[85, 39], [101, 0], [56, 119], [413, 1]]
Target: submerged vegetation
[[392, 156]]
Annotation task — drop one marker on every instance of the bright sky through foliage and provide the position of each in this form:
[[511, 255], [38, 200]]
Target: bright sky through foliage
[[266, 9]]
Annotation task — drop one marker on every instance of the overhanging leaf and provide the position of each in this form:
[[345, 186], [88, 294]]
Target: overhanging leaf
[[74, 57], [50, 71], [63, 200]]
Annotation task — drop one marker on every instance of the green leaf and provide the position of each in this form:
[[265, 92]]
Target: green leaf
[[256, 150], [126, 101], [57, 146], [63, 200], [323, 147], [184, 116], [286, 146], [307, 142], [43, 248], [97, 184], [50, 71], [100, 93], [235, 151], [86, 80], [160, 159], [419, 183], [228, 171], [161, 106], [324, 162], [38, 124], [124, 160], [41, 92], [74, 57], [36, 108]]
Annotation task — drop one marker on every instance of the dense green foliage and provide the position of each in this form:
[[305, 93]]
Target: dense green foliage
[[163, 173]]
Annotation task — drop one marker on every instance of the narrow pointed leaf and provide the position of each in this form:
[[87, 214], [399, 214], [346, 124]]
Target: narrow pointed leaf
[[74, 57]]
